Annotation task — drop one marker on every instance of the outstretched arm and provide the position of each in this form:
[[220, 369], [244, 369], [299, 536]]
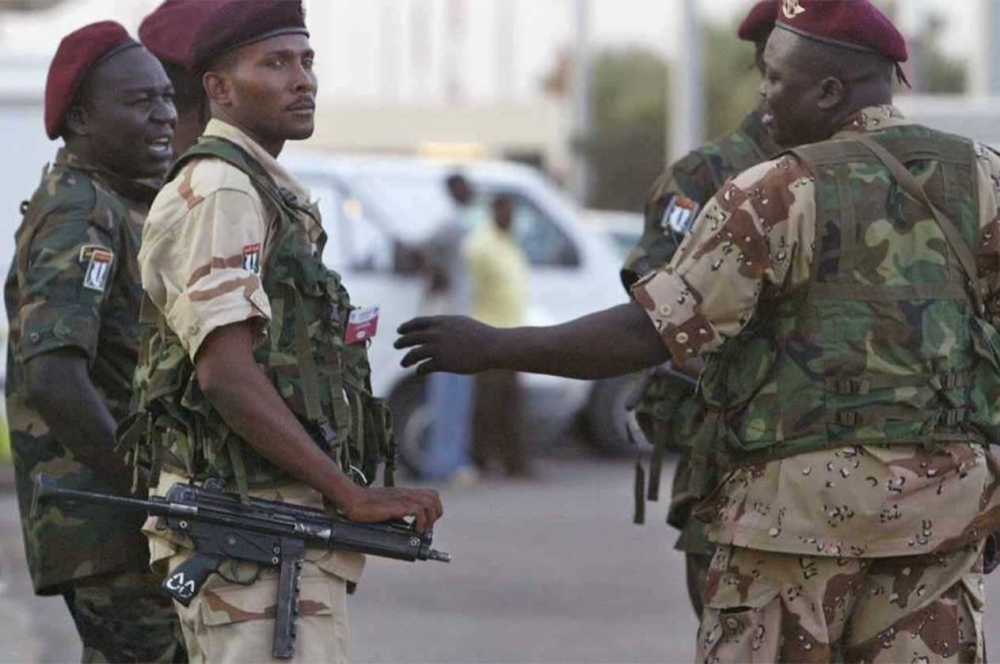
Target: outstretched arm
[[609, 343]]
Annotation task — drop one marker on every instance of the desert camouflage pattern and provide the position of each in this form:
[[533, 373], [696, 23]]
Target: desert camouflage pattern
[[841, 388], [776, 607], [227, 242], [125, 617], [697, 176], [76, 211], [228, 622]]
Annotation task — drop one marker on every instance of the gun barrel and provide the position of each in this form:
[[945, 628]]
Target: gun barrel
[[439, 556]]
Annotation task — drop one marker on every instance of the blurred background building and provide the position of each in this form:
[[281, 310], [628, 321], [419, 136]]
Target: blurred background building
[[587, 90]]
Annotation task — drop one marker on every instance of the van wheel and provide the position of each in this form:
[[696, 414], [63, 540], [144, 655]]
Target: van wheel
[[605, 420], [412, 417]]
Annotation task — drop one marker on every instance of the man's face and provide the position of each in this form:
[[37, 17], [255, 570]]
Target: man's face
[[790, 96], [460, 191], [129, 115], [503, 213], [273, 88]]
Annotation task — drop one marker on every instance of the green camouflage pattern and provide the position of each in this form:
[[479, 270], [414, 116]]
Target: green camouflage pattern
[[325, 382], [877, 349], [126, 618], [76, 209], [669, 412], [774, 607]]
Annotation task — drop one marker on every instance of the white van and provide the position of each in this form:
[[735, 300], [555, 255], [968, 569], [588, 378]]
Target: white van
[[369, 204]]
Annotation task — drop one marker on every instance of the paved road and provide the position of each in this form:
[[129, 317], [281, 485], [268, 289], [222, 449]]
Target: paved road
[[546, 571]]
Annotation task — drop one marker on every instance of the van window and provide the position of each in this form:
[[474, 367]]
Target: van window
[[543, 242], [354, 240]]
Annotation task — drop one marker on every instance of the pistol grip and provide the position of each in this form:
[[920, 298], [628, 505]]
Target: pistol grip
[[186, 580]]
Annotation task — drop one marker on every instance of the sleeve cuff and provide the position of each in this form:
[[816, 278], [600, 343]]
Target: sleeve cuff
[[194, 316], [672, 308], [54, 329]]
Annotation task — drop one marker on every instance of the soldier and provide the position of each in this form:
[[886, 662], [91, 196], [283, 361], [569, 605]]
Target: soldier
[[168, 33], [256, 370], [852, 369], [669, 411], [73, 301]]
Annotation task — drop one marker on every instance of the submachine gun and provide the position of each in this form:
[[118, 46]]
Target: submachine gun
[[266, 532]]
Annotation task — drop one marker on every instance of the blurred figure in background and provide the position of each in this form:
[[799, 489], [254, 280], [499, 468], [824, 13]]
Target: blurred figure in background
[[499, 278], [448, 292]]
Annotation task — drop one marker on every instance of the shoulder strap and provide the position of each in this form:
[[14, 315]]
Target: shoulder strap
[[951, 232], [231, 153]]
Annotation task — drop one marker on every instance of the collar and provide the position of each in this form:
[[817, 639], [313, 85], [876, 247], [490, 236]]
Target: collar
[[143, 191], [281, 176], [872, 118]]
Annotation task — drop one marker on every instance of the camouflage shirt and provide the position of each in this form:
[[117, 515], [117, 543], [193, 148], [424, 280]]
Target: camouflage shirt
[[869, 501], [205, 249], [74, 284], [693, 179]]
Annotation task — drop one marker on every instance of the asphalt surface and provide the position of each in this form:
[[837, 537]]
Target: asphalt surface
[[548, 570]]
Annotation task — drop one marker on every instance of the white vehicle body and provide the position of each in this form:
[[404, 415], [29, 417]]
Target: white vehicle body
[[369, 204]]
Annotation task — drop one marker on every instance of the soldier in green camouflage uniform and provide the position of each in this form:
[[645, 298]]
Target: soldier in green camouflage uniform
[[669, 411], [73, 297]]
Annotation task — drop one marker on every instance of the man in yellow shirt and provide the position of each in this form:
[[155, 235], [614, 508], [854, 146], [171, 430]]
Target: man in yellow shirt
[[499, 272]]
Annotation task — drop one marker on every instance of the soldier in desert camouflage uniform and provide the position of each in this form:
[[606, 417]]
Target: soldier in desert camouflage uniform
[[669, 411], [250, 373], [73, 299], [845, 297]]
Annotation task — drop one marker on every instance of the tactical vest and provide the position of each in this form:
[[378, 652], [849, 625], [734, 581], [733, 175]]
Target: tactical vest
[[880, 346], [668, 410], [325, 382]]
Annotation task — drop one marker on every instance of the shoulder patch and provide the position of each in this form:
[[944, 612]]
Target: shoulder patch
[[679, 214], [251, 258], [98, 260]]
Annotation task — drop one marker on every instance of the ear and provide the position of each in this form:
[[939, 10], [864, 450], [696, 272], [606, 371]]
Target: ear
[[77, 120], [831, 93], [218, 88]]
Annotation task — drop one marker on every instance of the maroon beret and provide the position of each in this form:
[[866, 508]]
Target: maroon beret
[[235, 23], [78, 53], [854, 24], [759, 22], [169, 31]]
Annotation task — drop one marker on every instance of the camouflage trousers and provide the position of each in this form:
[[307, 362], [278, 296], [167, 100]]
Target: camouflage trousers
[[232, 621], [775, 607], [125, 617]]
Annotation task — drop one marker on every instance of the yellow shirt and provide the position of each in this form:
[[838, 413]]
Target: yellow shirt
[[499, 274], [862, 501]]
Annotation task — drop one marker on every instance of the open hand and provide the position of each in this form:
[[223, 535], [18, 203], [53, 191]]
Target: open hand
[[455, 344], [375, 505]]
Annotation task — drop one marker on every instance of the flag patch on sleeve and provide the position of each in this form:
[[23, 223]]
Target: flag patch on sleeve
[[679, 215], [251, 258], [99, 261]]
